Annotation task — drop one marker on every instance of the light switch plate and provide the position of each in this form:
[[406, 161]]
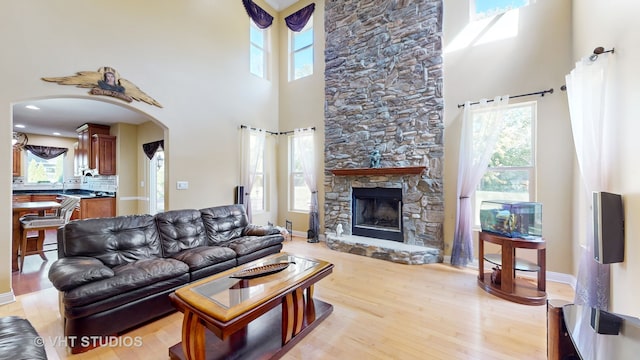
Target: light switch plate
[[182, 185]]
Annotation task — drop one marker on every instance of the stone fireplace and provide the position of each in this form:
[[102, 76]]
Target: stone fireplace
[[383, 92], [377, 213]]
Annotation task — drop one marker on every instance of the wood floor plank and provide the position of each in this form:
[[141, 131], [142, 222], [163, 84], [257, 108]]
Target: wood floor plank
[[382, 310]]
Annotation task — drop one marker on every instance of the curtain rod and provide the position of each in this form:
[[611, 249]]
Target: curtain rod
[[313, 128], [252, 128], [275, 133], [593, 57], [541, 93]]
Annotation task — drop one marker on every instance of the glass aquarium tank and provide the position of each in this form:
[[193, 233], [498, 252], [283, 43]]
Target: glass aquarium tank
[[514, 219]]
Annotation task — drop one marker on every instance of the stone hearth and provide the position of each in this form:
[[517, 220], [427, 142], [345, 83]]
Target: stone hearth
[[384, 249]]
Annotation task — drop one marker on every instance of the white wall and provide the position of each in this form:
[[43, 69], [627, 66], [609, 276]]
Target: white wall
[[301, 106], [535, 57], [191, 56], [614, 24]]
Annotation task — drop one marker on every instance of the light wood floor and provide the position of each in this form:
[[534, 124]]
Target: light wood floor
[[382, 310]]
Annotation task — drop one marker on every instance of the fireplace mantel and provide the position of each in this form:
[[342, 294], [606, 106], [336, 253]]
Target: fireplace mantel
[[408, 170]]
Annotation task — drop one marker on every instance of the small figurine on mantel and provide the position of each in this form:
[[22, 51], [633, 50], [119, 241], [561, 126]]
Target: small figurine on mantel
[[339, 230], [374, 159]]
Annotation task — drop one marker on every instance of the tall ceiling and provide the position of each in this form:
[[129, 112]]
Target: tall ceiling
[[280, 4]]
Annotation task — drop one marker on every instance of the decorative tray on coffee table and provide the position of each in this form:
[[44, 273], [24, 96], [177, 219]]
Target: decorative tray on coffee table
[[261, 270]]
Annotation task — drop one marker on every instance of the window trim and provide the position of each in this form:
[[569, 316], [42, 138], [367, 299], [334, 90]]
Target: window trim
[[292, 52], [262, 173], [533, 170], [264, 48], [25, 160], [291, 174], [474, 16]]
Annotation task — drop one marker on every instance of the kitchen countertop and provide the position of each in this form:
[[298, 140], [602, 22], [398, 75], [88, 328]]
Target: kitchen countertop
[[83, 194]]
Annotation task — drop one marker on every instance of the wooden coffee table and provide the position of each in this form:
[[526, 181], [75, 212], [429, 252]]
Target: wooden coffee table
[[249, 318]]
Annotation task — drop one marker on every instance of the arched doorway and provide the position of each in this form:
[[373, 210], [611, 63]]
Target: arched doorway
[[60, 116]]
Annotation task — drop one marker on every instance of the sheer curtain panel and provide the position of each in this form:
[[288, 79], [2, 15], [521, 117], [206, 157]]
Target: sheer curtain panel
[[586, 90], [306, 151], [480, 129], [252, 142]]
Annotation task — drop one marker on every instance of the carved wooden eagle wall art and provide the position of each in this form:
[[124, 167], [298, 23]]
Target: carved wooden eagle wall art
[[105, 81]]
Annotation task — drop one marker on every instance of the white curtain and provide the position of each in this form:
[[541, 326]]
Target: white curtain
[[304, 146], [477, 143], [586, 85], [252, 142]]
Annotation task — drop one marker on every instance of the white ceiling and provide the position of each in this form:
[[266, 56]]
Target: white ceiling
[[280, 4], [64, 115]]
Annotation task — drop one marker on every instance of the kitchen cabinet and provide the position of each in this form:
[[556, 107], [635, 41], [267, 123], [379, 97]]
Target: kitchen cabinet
[[84, 156], [103, 151], [21, 198], [97, 207], [17, 161]]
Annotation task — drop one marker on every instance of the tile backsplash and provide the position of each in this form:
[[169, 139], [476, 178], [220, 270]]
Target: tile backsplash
[[108, 183]]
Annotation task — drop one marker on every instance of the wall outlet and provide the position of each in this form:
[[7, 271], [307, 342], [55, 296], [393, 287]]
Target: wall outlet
[[182, 185]]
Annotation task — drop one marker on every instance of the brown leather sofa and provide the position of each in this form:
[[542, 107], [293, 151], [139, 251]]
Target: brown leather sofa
[[19, 340], [116, 273]]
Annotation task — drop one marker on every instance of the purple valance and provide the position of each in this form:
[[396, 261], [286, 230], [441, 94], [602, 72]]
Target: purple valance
[[151, 148], [46, 152], [298, 19], [261, 18]]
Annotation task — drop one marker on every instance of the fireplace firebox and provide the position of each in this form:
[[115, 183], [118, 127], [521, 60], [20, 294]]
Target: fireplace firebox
[[377, 213]]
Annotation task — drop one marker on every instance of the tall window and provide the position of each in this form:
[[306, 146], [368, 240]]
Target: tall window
[[258, 50], [299, 194], [481, 9], [511, 172], [44, 171], [156, 183], [258, 198], [301, 52]]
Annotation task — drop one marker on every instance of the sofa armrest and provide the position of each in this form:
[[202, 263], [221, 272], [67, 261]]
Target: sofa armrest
[[69, 273], [257, 230]]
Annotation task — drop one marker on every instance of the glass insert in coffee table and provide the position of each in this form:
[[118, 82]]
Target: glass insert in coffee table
[[242, 286]]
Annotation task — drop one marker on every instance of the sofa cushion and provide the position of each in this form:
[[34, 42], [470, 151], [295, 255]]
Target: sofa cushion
[[224, 223], [180, 230], [259, 230], [115, 241], [248, 244], [202, 256], [19, 340], [68, 273], [127, 277]]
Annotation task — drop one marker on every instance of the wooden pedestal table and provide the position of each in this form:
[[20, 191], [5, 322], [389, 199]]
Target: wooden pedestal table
[[512, 288], [20, 209], [250, 318]]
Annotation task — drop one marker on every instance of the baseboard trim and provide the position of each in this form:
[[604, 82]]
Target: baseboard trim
[[303, 234], [7, 298], [551, 276]]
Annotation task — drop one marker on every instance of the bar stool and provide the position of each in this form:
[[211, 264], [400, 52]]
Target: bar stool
[[38, 223]]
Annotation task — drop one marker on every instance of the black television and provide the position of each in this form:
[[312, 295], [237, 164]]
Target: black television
[[608, 228]]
